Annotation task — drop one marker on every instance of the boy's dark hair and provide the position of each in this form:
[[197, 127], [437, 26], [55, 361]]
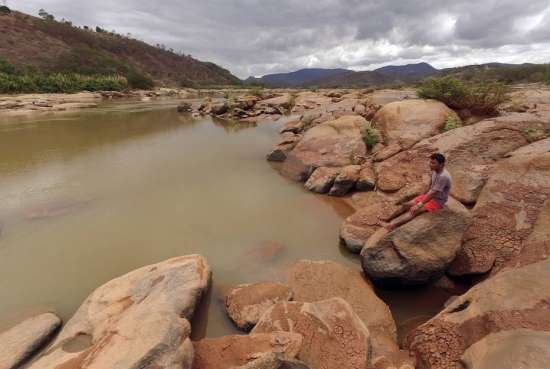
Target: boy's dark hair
[[438, 157]]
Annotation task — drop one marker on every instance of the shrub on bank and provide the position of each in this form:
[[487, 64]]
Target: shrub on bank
[[451, 122], [370, 135], [478, 97], [60, 83]]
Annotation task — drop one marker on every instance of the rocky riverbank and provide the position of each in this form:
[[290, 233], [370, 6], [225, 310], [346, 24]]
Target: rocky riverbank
[[23, 104], [491, 229], [368, 148]]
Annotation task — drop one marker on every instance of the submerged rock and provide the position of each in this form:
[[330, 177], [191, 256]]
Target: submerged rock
[[245, 304], [418, 251], [512, 299], [334, 336], [134, 321], [184, 107], [233, 351], [20, 343]]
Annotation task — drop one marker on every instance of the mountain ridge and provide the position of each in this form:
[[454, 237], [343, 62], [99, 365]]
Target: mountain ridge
[[51, 46]]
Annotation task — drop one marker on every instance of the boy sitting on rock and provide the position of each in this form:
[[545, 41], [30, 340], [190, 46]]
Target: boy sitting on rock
[[432, 200]]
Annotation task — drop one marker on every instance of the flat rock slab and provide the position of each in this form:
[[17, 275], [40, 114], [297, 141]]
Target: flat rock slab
[[471, 151], [246, 303], [231, 351], [334, 336], [21, 342], [504, 218], [512, 299], [139, 320], [314, 281], [519, 348], [418, 251]]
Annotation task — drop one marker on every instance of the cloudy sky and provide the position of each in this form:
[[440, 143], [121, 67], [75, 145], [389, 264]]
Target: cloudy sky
[[256, 37]]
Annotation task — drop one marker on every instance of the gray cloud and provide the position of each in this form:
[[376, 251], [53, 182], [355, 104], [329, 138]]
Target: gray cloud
[[254, 37]]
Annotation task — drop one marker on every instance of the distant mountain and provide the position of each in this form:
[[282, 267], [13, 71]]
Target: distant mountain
[[295, 79], [419, 70], [346, 78], [47, 45], [414, 73], [388, 75]]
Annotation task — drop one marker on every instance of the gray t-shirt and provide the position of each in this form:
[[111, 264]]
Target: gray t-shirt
[[440, 185]]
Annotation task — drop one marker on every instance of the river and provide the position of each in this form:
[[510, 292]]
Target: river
[[88, 196]]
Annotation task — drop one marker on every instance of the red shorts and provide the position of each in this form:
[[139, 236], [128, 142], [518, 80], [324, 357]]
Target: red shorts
[[430, 206]]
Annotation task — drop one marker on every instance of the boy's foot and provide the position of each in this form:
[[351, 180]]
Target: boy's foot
[[389, 226]]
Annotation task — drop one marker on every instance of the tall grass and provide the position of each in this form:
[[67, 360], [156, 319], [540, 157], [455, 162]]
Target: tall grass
[[479, 97], [60, 83]]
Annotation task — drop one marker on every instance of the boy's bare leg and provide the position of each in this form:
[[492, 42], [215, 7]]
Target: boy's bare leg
[[402, 210], [402, 219]]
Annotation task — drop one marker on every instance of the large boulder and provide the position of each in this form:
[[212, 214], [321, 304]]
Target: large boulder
[[21, 342], [139, 320], [518, 348], [409, 121], [517, 194], [334, 336], [471, 151], [245, 304], [320, 280], [418, 251], [512, 299], [231, 351], [331, 144]]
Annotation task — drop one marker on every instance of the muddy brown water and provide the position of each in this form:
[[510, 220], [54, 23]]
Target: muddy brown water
[[88, 196]]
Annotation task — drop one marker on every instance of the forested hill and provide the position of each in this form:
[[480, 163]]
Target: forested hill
[[47, 45]]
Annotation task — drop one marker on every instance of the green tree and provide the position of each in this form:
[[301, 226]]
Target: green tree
[[45, 15]]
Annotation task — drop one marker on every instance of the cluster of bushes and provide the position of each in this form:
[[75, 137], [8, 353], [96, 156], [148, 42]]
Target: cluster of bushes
[[60, 83], [481, 97], [505, 73]]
